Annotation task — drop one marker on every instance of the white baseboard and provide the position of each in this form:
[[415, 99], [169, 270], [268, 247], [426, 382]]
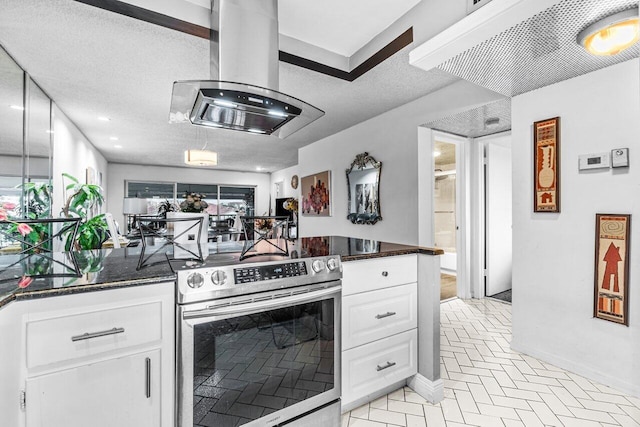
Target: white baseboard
[[353, 404], [432, 391], [575, 367]]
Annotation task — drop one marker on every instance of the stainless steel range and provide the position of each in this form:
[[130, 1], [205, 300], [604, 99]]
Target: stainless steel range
[[258, 342]]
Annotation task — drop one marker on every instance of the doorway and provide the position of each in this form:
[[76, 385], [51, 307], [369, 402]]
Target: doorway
[[445, 215], [498, 217]]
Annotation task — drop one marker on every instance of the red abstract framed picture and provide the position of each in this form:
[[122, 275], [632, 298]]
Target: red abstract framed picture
[[546, 165], [316, 194], [612, 268]]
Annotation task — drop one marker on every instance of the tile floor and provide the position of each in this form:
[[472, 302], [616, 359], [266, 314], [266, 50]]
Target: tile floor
[[488, 384]]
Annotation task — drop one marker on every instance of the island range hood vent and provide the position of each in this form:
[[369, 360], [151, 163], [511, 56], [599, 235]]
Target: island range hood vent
[[243, 93]]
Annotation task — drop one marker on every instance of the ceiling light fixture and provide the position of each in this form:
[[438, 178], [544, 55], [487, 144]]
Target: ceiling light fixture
[[117, 146], [16, 107], [201, 158], [113, 138], [104, 119], [492, 122], [611, 35]]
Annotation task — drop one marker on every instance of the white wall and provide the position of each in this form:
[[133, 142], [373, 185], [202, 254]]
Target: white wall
[[553, 260], [391, 138], [284, 176], [119, 173], [73, 153]]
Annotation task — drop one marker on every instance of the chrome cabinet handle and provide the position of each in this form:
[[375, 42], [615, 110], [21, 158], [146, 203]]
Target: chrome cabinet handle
[[387, 314], [88, 336], [387, 366], [385, 273], [148, 366]]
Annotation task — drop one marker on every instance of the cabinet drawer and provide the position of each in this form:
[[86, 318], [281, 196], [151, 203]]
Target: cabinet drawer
[[79, 335], [378, 314], [378, 273], [371, 367]]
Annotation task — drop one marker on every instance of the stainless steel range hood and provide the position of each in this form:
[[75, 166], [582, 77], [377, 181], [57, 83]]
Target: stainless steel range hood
[[244, 63]]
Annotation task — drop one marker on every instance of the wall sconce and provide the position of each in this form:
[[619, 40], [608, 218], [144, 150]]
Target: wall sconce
[[201, 158], [612, 34]]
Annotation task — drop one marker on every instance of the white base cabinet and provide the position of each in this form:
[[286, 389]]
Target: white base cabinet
[[123, 391], [379, 326], [100, 359]]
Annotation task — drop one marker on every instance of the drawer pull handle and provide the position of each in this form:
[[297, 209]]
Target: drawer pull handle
[[88, 336], [148, 382], [387, 314], [387, 366], [385, 273]]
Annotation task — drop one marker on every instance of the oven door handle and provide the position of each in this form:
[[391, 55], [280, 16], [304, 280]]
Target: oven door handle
[[263, 305]]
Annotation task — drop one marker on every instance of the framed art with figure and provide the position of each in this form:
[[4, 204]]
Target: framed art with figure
[[612, 268], [546, 165]]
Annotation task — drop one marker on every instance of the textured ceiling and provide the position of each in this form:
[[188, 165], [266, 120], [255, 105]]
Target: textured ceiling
[[472, 123], [539, 51], [96, 63], [337, 25]]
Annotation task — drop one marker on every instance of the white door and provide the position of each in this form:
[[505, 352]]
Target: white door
[[498, 218], [123, 392]]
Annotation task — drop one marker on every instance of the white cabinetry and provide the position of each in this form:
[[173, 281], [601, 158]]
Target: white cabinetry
[[379, 321], [102, 359]]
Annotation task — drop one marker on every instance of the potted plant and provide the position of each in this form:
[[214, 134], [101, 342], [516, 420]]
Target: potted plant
[[82, 202]]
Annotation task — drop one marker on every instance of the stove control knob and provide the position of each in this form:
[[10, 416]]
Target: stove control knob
[[195, 280], [218, 277], [317, 265], [332, 264]]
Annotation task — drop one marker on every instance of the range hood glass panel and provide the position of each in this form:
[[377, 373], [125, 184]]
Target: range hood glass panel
[[187, 103], [240, 120]]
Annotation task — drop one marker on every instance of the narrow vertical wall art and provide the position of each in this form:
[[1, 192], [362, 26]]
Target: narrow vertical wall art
[[546, 165], [612, 268]]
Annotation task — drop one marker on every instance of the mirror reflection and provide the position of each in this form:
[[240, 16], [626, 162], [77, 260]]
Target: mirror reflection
[[363, 182], [26, 140]]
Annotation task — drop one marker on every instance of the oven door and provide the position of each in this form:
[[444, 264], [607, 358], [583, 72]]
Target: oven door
[[259, 360]]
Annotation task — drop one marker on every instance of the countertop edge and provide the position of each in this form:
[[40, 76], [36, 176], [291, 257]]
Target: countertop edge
[[397, 252], [80, 289]]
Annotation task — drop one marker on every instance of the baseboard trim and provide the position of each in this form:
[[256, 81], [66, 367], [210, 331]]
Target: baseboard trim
[[353, 404], [432, 391], [575, 367]]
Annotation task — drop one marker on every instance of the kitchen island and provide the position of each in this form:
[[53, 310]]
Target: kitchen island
[[51, 358]]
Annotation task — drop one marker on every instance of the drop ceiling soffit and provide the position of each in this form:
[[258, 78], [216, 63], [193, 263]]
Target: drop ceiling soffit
[[536, 52]]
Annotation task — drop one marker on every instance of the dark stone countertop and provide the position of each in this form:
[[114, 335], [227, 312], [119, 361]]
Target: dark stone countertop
[[56, 274]]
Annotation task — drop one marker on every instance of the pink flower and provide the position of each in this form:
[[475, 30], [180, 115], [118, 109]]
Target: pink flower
[[9, 206], [3, 215], [25, 281], [24, 229]]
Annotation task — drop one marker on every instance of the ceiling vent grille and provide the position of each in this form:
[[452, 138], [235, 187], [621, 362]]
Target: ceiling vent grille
[[473, 5]]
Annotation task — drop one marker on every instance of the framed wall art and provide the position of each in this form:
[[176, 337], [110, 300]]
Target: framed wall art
[[316, 194], [546, 165], [612, 268]]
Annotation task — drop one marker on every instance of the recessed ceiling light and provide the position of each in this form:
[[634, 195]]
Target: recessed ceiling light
[[104, 119], [258, 168], [436, 153], [117, 146], [613, 34], [16, 107], [492, 121], [113, 138]]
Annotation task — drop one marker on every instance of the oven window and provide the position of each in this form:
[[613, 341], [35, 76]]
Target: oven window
[[250, 366]]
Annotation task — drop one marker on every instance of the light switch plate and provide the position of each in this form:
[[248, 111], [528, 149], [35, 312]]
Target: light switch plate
[[594, 161], [620, 158]]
